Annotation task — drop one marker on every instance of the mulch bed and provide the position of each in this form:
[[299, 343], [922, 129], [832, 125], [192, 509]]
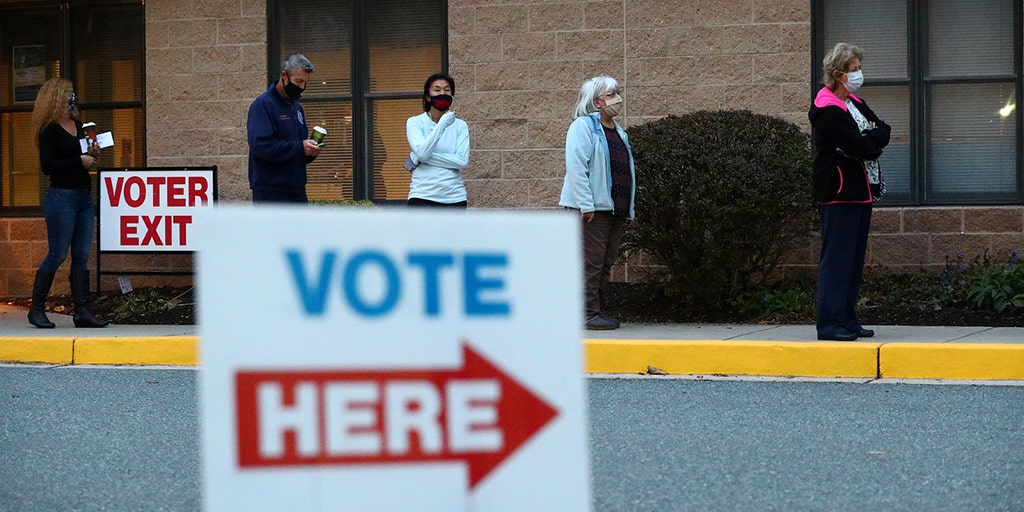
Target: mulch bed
[[627, 302]]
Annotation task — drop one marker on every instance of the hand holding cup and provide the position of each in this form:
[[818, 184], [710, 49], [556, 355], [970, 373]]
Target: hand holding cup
[[310, 148], [90, 132]]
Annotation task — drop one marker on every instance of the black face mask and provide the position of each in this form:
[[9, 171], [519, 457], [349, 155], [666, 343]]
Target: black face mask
[[441, 102], [293, 91], [72, 103]]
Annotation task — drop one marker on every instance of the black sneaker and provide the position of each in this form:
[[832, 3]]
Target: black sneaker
[[600, 323]]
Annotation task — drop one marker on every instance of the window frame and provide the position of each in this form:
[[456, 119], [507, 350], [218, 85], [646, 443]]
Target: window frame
[[920, 86], [67, 55], [360, 96]]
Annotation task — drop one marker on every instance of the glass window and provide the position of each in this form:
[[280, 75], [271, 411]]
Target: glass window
[[108, 48], [892, 105], [883, 39], [947, 77], [371, 59], [31, 49], [973, 146], [101, 48], [973, 39]]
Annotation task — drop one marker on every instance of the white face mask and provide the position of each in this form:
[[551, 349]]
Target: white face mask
[[854, 80], [613, 107]]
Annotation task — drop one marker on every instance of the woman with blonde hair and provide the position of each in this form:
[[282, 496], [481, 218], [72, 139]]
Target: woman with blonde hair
[[68, 208], [848, 138], [599, 186]]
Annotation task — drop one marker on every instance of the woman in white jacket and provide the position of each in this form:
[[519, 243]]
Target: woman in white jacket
[[440, 148], [600, 184]]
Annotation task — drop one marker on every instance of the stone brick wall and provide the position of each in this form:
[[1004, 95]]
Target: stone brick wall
[[22, 249], [519, 65], [23, 246], [908, 239], [205, 63]]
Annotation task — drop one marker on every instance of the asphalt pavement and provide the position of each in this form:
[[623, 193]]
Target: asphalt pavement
[[895, 352], [86, 438]]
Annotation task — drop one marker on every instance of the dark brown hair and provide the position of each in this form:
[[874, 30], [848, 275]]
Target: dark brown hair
[[426, 87]]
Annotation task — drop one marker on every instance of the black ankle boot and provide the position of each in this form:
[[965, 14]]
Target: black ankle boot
[[40, 290], [80, 295]]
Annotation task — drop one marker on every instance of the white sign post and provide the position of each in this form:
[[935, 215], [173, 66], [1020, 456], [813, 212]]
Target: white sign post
[[369, 359]]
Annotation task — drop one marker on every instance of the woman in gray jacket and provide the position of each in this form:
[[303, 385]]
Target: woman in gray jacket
[[600, 184]]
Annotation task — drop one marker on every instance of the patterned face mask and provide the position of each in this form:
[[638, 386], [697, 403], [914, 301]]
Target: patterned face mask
[[441, 102]]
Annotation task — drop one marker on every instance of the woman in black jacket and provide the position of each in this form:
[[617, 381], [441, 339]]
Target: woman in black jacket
[[848, 139], [70, 215]]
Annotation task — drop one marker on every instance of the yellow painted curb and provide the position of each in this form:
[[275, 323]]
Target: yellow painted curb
[[37, 349], [982, 361], [774, 358], [165, 350]]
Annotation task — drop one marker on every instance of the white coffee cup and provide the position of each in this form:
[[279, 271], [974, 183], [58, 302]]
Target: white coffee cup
[[319, 133], [90, 132]]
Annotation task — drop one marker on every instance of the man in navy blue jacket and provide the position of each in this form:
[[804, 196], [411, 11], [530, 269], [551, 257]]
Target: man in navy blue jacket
[[279, 146]]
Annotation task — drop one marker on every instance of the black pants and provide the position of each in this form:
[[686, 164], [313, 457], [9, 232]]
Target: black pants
[[844, 241], [415, 201], [269, 196]]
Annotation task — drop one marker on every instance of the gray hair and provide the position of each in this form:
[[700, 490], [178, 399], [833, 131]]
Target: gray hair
[[591, 90], [296, 62], [838, 60]]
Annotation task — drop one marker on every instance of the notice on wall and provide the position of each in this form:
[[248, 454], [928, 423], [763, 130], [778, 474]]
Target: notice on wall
[[29, 72], [391, 359], [152, 210]]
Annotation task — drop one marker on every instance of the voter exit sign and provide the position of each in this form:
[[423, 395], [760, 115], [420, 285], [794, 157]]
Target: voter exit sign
[[152, 209], [391, 359]]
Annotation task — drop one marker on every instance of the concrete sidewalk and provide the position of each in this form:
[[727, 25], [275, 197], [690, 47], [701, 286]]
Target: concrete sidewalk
[[908, 352]]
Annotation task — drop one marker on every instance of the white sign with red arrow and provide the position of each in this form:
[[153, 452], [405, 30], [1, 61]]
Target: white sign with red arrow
[[391, 360], [476, 415]]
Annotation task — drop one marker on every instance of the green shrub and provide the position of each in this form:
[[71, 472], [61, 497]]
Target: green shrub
[[997, 288], [788, 301], [721, 196], [926, 290]]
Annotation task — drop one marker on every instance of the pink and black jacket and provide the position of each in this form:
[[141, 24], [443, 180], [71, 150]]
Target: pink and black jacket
[[840, 149]]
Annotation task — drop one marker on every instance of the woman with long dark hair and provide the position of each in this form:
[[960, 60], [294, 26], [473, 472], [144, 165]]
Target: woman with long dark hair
[[440, 148]]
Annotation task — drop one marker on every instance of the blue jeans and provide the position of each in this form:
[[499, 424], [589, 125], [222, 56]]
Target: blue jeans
[[70, 220]]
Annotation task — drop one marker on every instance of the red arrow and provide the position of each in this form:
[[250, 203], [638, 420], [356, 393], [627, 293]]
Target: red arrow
[[477, 414]]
